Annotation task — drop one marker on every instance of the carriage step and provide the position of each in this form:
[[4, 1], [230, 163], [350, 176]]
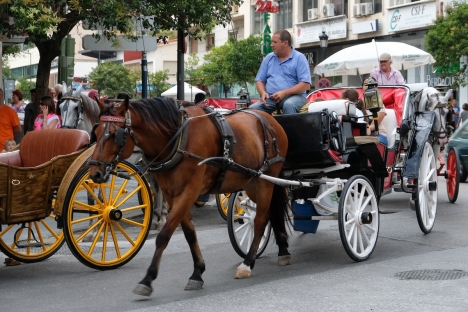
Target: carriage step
[[28, 244]]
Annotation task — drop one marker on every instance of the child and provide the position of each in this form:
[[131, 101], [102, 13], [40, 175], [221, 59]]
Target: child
[[10, 146]]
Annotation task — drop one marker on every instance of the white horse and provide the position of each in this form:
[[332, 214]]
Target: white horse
[[432, 100], [77, 110]]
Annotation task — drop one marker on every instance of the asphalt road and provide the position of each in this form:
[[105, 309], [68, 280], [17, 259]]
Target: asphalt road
[[321, 278]]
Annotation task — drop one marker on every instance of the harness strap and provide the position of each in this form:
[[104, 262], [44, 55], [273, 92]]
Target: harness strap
[[228, 139]]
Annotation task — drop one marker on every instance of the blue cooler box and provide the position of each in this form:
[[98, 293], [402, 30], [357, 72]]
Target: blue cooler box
[[305, 210]]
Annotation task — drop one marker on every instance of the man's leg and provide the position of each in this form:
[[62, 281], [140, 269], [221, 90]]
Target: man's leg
[[270, 106], [293, 103]]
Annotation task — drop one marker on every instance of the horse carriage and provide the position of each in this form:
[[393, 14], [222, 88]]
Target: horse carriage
[[47, 198], [335, 171]]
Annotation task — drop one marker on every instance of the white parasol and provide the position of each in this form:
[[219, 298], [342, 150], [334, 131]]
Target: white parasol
[[363, 58]]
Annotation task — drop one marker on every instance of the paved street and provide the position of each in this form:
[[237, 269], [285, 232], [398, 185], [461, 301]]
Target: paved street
[[321, 278]]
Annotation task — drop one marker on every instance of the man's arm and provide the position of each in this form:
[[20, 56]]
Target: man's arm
[[297, 89], [400, 79], [261, 90], [17, 129]]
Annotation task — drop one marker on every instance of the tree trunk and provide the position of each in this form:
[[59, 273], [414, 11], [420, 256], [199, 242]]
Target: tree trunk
[[48, 51]]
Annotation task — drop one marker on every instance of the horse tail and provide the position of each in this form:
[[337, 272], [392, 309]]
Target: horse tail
[[278, 212]]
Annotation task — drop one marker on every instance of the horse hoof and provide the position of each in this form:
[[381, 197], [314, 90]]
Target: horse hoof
[[194, 285], [412, 205], [284, 260], [243, 271], [154, 226], [142, 290]]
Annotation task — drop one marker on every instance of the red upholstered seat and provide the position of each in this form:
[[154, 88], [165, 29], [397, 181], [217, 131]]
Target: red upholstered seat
[[38, 147]]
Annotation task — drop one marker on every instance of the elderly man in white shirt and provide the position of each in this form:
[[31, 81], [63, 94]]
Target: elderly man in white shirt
[[385, 75]]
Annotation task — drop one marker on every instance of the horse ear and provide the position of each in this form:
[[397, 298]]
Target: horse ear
[[448, 95], [126, 102], [78, 91], [64, 87]]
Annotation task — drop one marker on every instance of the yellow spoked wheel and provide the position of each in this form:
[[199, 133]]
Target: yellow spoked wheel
[[107, 224], [222, 201], [31, 241]]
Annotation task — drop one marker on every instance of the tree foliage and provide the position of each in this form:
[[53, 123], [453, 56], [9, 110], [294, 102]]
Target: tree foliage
[[235, 62], [24, 85], [447, 42], [111, 79], [159, 80], [47, 22]]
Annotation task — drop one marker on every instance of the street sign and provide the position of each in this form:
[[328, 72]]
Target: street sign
[[323, 83], [144, 43]]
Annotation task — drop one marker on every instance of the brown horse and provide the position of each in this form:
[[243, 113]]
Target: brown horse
[[155, 125]]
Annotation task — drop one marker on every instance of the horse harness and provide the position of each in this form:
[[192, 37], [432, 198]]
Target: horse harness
[[443, 133], [65, 109], [180, 139]]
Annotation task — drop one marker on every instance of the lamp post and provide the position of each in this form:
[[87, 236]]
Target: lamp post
[[323, 43]]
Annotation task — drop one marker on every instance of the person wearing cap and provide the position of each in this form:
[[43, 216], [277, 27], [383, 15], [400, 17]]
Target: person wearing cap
[[385, 75]]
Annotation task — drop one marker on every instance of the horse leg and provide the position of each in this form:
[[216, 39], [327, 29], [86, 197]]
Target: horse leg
[[177, 215], [195, 281], [277, 214]]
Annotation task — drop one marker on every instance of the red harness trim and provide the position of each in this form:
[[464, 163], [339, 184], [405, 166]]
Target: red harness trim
[[112, 119]]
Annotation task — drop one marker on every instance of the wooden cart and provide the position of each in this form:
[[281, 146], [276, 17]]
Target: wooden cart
[[47, 198]]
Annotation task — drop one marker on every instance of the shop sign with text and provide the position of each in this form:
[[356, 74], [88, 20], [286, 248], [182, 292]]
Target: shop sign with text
[[335, 28], [411, 17]]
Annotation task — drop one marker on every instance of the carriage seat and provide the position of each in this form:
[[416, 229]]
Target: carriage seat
[[39, 147], [341, 107], [391, 125]]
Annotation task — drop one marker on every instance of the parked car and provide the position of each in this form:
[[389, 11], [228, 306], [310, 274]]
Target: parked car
[[459, 142]]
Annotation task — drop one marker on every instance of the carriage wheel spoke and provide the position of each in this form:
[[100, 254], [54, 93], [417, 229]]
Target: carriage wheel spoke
[[104, 243], [96, 239], [89, 230], [114, 238]]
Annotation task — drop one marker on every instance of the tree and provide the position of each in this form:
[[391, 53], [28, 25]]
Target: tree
[[159, 80], [47, 22], [111, 79], [25, 86], [235, 62], [190, 69], [447, 42]]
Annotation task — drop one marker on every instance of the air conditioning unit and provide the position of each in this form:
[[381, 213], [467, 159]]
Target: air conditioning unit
[[328, 10], [367, 8], [312, 14], [357, 10]]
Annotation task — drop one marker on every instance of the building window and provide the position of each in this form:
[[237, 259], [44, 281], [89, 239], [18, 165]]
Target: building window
[[368, 7], [171, 66], [284, 16], [306, 6], [257, 21], [210, 42], [193, 45], [335, 7]]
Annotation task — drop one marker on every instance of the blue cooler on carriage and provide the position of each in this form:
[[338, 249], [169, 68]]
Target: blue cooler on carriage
[[302, 217]]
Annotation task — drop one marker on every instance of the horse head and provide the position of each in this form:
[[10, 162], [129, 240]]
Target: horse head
[[432, 100], [77, 110], [111, 135]]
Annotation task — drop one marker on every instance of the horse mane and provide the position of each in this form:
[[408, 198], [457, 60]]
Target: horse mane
[[91, 109], [158, 113]]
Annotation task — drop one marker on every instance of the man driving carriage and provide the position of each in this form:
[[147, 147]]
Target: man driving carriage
[[283, 78]]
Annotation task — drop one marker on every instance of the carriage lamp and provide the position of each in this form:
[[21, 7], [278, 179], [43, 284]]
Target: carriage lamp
[[244, 98], [374, 103]]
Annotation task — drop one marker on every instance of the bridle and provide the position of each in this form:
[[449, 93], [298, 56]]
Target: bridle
[[65, 100], [121, 135]]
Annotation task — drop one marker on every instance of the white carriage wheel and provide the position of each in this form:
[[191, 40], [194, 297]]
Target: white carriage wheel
[[426, 190], [358, 218], [240, 222]]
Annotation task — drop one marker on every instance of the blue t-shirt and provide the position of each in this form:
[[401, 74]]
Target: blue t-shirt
[[279, 75]]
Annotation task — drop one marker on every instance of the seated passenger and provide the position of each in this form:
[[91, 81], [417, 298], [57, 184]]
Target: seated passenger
[[283, 78], [47, 119], [380, 115]]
